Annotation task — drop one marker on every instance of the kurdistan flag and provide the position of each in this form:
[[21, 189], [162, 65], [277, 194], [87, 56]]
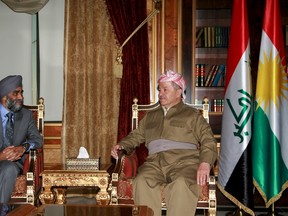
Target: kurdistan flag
[[270, 135], [235, 169]]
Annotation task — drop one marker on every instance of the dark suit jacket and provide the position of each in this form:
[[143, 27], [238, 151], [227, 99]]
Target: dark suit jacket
[[25, 130]]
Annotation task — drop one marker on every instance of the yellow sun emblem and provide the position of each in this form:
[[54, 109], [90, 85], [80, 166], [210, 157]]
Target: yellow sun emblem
[[271, 81]]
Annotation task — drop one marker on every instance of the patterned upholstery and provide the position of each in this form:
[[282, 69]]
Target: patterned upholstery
[[20, 186], [126, 169], [28, 184]]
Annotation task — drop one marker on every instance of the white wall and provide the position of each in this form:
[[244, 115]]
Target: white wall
[[15, 53], [51, 27], [15, 47]]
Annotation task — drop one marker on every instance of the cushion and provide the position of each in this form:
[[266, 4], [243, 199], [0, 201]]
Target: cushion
[[20, 185], [129, 166]]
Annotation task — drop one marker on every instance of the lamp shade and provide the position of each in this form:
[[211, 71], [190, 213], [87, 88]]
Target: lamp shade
[[25, 6]]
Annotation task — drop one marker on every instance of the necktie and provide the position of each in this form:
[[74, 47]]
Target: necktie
[[9, 129]]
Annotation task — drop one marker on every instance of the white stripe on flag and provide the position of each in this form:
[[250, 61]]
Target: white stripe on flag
[[231, 148]]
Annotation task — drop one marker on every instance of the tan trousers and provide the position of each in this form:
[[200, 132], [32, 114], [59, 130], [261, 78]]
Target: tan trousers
[[177, 174]]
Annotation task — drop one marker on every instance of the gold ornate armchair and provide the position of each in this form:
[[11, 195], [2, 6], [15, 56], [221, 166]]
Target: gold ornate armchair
[[28, 184], [126, 166]]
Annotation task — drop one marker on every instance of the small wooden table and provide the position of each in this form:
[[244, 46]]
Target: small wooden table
[[23, 210], [95, 210], [55, 182]]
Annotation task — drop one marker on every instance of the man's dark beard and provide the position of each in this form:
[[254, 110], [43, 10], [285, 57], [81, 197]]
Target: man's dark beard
[[14, 105]]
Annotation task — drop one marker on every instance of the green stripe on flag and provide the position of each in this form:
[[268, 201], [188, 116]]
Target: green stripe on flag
[[269, 170]]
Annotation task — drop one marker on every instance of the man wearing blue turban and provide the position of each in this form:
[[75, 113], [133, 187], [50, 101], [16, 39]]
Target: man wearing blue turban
[[18, 134]]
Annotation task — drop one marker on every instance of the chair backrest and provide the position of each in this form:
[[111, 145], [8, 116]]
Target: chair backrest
[[38, 114], [138, 111], [33, 164]]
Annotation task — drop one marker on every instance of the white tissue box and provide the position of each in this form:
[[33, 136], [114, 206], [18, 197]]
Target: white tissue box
[[82, 163]]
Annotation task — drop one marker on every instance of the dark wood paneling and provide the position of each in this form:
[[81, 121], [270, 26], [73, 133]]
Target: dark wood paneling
[[52, 144]]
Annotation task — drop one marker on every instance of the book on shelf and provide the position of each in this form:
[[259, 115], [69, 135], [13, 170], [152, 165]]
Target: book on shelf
[[199, 75], [219, 76], [213, 74], [197, 72], [225, 37], [217, 105], [209, 37], [205, 36], [214, 77], [199, 37], [212, 36], [210, 74], [217, 36], [202, 75]]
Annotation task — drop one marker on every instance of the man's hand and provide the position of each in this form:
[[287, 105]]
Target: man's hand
[[12, 153], [203, 173], [115, 149]]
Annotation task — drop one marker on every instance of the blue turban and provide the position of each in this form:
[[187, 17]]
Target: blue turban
[[9, 84]]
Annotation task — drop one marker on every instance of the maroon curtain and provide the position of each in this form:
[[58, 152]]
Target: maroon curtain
[[126, 15]]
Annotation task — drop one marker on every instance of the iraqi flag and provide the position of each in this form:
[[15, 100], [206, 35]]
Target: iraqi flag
[[270, 134], [235, 169]]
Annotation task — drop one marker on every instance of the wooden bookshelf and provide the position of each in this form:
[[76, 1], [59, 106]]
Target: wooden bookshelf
[[210, 31]]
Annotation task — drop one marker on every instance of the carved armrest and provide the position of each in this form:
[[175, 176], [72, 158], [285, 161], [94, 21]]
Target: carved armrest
[[212, 194], [126, 164], [125, 168], [33, 166]]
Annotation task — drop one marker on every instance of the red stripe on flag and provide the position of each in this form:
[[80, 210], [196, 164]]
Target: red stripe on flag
[[272, 18], [239, 33]]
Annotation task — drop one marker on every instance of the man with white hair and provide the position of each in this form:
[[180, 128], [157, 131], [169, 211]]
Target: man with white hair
[[172, 134], [18, 134]]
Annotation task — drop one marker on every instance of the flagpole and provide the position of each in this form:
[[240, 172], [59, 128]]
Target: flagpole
[[273, 210], [273, 213], [238, 212]]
